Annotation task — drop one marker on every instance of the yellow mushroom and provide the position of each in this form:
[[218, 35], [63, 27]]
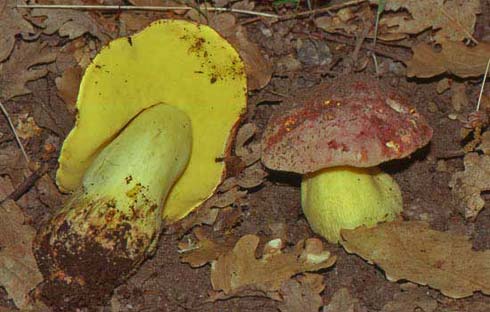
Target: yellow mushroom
[[156, 112]]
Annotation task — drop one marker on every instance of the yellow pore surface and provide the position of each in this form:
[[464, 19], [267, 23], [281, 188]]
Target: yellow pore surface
[[347, 197], [173, 62]]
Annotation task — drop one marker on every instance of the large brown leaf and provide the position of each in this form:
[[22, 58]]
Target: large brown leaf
[[18, 70], [454, 57], [412, 251], [18, 269]]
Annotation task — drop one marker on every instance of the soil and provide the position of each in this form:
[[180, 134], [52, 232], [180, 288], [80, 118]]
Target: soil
[[163, 283]]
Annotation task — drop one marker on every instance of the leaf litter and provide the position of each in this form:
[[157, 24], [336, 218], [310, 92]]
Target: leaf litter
[[19, 273], [448, 21], [239, 273]]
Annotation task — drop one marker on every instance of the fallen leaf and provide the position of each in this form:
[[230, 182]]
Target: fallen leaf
[[68, 85], [18, 69], [204, 250], [343, 301], [450, 19], [18, 269], [412, 251], [485, 143], [415, 299], [459, 99], [467, 185], [252, 176], [11, 24], [302, 294], [454, 57], [221, 200], [348, 20], [68, 23], [26, 127], [443, 85], [248, 151], [240, 273]]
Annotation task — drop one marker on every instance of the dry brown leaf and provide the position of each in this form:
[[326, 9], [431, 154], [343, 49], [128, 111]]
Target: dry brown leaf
[[454, 57], [68, 23], [467, 185], [412, 300], [443, 85], [68, 85], [485, 143], [343, 301], [204, 250], [240, 273], [302, 294], [459, 99], [252, 176], [221, 200], [18, 69], [248, 151], [11, 24], [18, 269], [26, 127], [350, 20], [451, 19], [412, 251]]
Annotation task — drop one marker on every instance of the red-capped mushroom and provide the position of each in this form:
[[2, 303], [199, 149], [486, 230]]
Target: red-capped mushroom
[[353, 122]]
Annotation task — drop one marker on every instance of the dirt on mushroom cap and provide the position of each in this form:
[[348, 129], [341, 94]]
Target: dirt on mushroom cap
[[355, 121]]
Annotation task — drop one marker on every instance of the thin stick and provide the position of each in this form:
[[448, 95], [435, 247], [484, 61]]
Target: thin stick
[[136, 8], [323, 10], [483, 85], [12, 128]]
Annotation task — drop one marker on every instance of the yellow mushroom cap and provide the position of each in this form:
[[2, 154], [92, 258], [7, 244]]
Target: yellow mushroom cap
[[174, 62]]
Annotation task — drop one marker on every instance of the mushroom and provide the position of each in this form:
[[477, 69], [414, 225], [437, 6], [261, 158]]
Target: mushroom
[[156, 112], [335, 139]]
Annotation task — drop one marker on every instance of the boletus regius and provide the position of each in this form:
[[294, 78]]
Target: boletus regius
[[336, 137], [156, 112]]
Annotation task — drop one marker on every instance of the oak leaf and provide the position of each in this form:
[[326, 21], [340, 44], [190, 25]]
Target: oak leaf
[[239, 273], [414, 252], [11, 24], [204, 250], [19, 68], [302, 293], [451, 19], [467, 185], [411, 300], [454, 57], [68, 23]]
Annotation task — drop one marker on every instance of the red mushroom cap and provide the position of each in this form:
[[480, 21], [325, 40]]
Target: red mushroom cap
[[352, 122]]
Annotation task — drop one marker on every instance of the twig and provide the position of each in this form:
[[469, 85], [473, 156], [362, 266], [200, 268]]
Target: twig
[[26, 185], [12, 128], [483, 86], [137, 8], [323, 10], [393, 56]]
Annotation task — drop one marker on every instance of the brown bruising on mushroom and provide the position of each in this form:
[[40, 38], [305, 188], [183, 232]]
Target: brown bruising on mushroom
[[350, 122], [82, 264]]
